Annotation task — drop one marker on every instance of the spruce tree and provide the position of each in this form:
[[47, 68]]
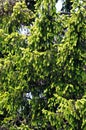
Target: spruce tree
[[43, 73]]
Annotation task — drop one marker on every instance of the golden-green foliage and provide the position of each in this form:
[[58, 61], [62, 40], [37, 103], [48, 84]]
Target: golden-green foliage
[[43, 73]]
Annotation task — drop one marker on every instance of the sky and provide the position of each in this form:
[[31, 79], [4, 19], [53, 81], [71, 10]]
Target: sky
[[59, 5]]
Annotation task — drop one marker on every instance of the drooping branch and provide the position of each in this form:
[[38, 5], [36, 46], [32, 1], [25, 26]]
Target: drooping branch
[[66, 13]]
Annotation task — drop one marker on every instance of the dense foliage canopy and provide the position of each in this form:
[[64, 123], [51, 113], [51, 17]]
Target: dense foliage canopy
[[43, 71]]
